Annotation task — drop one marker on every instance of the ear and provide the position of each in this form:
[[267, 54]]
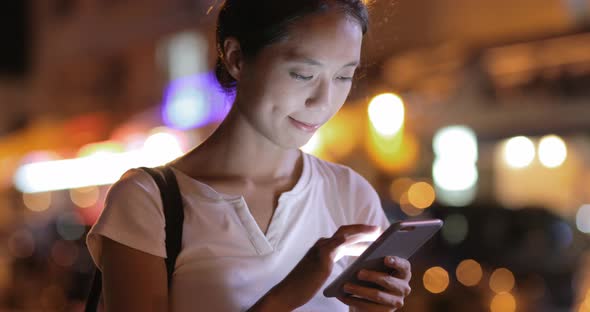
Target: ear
[[233, 57]]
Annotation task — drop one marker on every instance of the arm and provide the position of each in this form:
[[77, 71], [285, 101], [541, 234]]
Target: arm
[[133, 280]]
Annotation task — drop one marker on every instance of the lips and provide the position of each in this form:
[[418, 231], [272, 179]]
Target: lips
[[303, 125]]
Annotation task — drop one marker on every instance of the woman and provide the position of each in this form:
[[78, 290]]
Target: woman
[[263, 221]]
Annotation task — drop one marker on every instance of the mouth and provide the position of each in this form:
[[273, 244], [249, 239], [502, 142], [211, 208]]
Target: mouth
[[307, 127]]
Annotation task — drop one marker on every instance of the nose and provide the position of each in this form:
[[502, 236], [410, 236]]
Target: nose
[[321, 97]]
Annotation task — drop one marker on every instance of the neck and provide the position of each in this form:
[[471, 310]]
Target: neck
[[237, 149]]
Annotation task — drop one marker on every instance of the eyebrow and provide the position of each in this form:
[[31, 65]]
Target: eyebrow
[[310, 61]]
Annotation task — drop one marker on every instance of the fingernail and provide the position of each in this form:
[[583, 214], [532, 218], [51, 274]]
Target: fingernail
[[391, 260], [348, 287]]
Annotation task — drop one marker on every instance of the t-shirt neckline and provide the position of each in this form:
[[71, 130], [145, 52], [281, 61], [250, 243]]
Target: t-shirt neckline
[[209, 192]]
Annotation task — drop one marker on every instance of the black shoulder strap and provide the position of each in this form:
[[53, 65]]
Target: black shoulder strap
[[173, 213], [174, 217]]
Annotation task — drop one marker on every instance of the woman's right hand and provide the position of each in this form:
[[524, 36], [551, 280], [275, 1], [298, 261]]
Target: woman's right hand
[[308, 276]]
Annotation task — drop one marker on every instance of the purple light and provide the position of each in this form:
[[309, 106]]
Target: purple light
[[194, 101]]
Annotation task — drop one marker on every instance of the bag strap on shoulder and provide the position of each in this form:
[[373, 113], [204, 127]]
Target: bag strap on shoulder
[[173, 213], [174, 217]]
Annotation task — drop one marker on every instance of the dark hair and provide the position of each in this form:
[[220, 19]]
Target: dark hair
[[256, 24]]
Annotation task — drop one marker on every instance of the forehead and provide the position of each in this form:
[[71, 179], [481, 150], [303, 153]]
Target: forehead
[[328, 37]]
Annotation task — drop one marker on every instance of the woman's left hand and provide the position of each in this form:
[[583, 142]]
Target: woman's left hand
[[395, 287]]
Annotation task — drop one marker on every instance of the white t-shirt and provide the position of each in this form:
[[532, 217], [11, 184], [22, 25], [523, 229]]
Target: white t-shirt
[[227, 263]]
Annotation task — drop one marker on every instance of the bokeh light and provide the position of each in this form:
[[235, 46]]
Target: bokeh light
[[85, 197], [398, 187], [502, 280], [341, 134], [37, 201], [503, 302], [107, 147], [187, 108], [552, 151], [386, 113], [562, 233], [456, 198], [519, 152], [161, 147], [395, 154], [455, 229], [421, 195], [454, 167], [583, 218], [469, 272], [70, 226], [450, 176], [194, 101], [456, 143], [407, 207], [436, 280]]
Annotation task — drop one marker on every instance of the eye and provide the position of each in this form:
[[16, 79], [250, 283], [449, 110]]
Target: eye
[[300, 77], [344, 79]]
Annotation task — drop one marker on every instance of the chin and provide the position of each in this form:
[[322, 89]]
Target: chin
[[293, 142]]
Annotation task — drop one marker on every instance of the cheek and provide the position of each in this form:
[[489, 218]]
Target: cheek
[[341, 95]]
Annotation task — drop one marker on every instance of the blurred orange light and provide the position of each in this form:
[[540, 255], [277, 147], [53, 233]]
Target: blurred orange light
[[85, 197], [436, 280], [503, 302], [395, 154], [341, 134], [399, 187], [502, 280], [469, 272], [37, 201], [421, 195], [407, 207]]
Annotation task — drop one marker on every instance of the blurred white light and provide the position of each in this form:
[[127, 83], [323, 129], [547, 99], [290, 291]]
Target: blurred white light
[[187, 108], [583, 219], [74, 173], [451, 176], [160, 148], [456, 198], [552, 151], [456, 142], [519, 152], [97, 169], [313, 144], [186, 54], [386, 113]]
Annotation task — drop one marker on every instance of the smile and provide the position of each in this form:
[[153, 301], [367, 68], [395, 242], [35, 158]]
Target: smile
[[304, 126]]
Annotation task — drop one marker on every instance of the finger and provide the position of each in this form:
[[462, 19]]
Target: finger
[[394, 285], [374, 295], [356, 229], [362, 304], [402, 267], [348, 235], [357, 233]]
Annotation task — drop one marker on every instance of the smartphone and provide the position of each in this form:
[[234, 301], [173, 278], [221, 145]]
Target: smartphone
[[401, 239]]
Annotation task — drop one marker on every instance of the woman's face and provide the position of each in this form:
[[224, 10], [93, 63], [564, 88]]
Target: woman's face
[[294, 86]]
